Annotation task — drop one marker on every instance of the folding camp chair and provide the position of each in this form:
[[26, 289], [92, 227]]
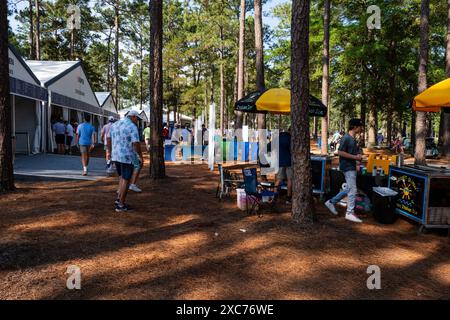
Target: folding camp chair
[[227, 183], [255, 192]]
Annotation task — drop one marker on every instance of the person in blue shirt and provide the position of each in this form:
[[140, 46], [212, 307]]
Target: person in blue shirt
[[59, 129], [284, 163], [86, 139]]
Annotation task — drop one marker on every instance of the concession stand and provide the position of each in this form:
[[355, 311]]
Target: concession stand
[[278, 101], [424, 191], [423, 194]]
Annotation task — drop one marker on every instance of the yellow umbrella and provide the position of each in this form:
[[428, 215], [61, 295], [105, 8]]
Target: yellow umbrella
[[434, 98], [275, 101]]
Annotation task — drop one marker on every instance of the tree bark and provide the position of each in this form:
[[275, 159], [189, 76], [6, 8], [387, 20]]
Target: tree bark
[[302, 201], [141, 73], [259, 48], [108, 75], [6, 156], [421, 125], [240, 76], [363, 108], [372, 124], [390, 110], [72, 43], [38, 30], [222, 84], [116, 52], [31, 14], [445, 116], [157, 165], [326, 73]]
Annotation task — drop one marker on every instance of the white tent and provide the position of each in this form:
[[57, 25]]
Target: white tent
[[69, 92], [27, 98], [107, 103], [108, 106]]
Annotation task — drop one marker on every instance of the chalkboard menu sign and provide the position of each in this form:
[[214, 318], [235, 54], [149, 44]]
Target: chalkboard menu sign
[[411, 191], [317, 174]]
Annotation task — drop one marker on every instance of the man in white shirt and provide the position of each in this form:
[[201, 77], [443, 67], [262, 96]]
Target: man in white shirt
[[69, 137], [103, 135]]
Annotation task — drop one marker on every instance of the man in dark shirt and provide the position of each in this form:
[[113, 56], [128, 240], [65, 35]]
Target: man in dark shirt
[[349, 153], [284, 162]]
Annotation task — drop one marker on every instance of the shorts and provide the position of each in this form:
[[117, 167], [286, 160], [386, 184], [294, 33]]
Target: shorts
[[285, 173], [60, 139], [124, 170], [85, 149], [69, 140]]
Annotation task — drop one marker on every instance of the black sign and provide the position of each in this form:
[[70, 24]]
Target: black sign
[[411, 190]]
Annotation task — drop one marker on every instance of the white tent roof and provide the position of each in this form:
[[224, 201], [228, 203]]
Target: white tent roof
[[102, 96], [47, 70], [68, 83]]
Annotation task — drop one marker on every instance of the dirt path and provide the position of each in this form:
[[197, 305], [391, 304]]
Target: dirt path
[[182, 243]]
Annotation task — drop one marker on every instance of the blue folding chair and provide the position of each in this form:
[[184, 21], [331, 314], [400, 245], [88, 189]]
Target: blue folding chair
[[254, 192]]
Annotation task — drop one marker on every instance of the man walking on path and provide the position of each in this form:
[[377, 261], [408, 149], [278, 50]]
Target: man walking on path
[[147, 137], [86, 139], [60, 135], [349, 153], [103, 134], [69, 137], [123, 143]]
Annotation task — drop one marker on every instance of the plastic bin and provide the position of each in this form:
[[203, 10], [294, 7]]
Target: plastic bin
[[169, 154], [241, 198], [383, 200]]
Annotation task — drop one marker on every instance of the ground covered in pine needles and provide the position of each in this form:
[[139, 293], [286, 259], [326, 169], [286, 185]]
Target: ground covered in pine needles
[[182, 243]]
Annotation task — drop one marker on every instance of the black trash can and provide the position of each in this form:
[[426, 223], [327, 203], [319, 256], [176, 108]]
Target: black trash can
[[384, 205]]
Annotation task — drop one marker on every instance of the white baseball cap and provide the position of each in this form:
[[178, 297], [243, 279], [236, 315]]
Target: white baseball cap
[[134, 113]]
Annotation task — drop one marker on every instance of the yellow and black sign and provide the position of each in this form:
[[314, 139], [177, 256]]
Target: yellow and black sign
[[411, 190]]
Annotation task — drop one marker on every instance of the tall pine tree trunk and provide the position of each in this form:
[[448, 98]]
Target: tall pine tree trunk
[[302, 201], [141, 73], [259, 48], [363, 108], [38, 30], [116, 52], [157, 165], [6, 165], [240, 76], [372, 124], [31, 15], [108, 75], [421, 124], [445, 116], [326, 73], [222, 84]]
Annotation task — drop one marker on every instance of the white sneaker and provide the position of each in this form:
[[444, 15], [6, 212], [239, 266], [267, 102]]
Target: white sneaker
[[134, 188], [352, 217], [331, 207]]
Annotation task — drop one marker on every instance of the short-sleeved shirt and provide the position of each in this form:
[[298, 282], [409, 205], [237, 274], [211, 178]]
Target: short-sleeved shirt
[[146, 133], [349, 145], [284, 158], [186, 134], [69, 130], [123, 134], [85, 131], [105, 131], [59, 128]]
